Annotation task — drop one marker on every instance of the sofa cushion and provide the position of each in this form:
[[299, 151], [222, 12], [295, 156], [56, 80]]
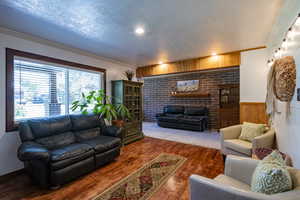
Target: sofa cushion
[[103, 143], [192, 120], [201, 111], [174, 115], [87, 134], [173, 109], [57, 141], [170, 119], [226, 180], [251, 130], [44, 127], [69, 151], [83, 122], [241, 146], [55, 165], [271, 175]]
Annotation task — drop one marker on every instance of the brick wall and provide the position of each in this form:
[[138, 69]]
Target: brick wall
[[157, 92]]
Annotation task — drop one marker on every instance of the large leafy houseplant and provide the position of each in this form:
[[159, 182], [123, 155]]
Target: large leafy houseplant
[[100, 104]]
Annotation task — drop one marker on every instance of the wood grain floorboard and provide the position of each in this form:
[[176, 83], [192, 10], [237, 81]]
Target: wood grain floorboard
[[202, 161]]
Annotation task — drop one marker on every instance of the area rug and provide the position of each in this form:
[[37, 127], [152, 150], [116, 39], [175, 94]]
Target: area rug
[[143, 183]]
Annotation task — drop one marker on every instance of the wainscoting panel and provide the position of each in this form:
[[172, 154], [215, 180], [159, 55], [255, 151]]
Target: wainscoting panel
[[254, 112]]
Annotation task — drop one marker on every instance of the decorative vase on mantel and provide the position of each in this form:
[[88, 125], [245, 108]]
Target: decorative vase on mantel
[[129, 74]]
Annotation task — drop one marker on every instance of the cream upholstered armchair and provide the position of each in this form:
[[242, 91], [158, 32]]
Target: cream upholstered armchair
[[235, 183], [231, 144]]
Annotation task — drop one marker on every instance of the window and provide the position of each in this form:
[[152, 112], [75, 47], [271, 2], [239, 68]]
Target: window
[[45, 88]]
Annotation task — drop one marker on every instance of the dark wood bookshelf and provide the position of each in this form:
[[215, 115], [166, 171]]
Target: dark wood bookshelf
[[129, 93]]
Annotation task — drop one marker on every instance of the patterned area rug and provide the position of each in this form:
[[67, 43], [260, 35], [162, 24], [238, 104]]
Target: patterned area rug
[[144, 182]]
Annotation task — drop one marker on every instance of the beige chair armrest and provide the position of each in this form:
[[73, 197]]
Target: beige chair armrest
[[264, 141], [202, 188], [231, 132], [240, 168]]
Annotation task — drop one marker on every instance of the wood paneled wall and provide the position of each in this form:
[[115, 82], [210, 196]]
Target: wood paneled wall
[[254, 112], [197, 64], [225, 60]]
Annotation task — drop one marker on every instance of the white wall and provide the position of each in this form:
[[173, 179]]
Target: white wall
[[253, 74], [9, 142], [288, 130]]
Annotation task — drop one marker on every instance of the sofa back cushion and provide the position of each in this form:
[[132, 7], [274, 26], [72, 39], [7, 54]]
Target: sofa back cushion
[[45, 127], [87, 134], [196, 111], [83, 122], [57, 141], [173, 109]]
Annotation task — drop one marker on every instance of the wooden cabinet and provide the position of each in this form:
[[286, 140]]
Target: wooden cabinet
[[229, 98], [129, 93]]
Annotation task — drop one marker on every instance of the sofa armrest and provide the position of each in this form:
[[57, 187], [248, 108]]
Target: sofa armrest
[[33, 151], [202, 188], [240, 168], [231, 132], [113, 131], [264, 141]]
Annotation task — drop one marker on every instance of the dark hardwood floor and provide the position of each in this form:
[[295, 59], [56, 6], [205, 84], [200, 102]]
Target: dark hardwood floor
[[202, 161]]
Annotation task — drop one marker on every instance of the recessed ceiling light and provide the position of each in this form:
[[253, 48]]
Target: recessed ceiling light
[[214, 54], [139, 31]]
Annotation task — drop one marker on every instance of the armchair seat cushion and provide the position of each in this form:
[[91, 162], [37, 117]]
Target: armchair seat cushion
[[69, 151], [241, 146], [226, 180], [103, 143]]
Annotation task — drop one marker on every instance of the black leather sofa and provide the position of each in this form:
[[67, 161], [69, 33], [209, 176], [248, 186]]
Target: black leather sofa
[[183, 117], [59, 149]]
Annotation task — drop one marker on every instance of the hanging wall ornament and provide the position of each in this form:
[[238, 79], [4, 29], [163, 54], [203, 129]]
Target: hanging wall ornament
[[285, 78], [281, 85], [271, 101]]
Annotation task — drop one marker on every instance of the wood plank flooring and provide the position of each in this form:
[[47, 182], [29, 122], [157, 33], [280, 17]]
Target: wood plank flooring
[[202, 161]]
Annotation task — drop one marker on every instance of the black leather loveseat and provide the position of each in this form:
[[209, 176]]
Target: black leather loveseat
[[183, 117], [59, 149]]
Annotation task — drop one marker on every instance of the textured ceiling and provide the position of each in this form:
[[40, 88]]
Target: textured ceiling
[[175, 29]]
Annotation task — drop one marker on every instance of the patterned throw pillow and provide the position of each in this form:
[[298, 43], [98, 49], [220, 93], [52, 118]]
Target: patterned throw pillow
[[251, 130], [271, 175]]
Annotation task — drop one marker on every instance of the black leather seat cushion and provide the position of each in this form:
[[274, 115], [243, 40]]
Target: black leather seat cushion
[[70, 151], [103, 143], [72, 160], [191, 121], [168, 119]]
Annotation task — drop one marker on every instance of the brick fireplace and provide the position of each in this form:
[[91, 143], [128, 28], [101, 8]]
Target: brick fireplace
[[157, 92]]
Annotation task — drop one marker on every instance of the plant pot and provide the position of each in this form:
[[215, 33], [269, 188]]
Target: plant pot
[[118, 123]]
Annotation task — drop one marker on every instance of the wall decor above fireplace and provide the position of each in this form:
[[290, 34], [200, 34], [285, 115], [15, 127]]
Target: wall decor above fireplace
[[187, 86]]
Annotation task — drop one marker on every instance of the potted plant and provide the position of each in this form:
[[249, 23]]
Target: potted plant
[[98, 103], [129, 74]]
